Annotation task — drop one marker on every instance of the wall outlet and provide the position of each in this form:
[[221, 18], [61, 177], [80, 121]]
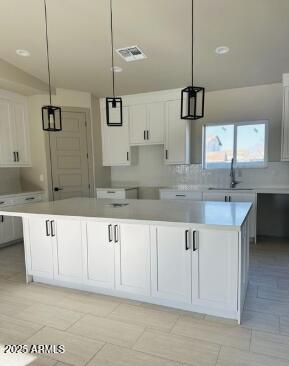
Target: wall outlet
[[41, 177]]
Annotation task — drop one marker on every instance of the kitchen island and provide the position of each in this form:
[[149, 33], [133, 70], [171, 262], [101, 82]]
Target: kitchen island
[[188, 255]]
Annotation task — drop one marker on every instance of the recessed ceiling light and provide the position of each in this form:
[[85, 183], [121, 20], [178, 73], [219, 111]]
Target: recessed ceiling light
[[23, 53], [116, 69], [222, 50]]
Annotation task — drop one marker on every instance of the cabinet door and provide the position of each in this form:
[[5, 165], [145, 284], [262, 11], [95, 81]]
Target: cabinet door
[[17, 228], [171, 264], [115, 142], [177, 136], [6, 137], [138, 124], [21, 134], [40, 248], [285, 126], [68, 239], [100, 254], [214, 196], [6, 229], [132, 258], [215, 269], [156, 122]]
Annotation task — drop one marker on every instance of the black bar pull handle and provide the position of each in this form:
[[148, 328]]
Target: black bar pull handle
[[47, 228], [167, 154], [17, 155], [52, 228], [127, 156], [109, 233], [148, 136], [115, 233], [14, 156], [2, 218], [187, 244], [144, 134], [230, 198], [194, 240], [225, 198]]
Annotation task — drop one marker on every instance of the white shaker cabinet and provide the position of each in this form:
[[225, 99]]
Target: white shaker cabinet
[[177, 135], [147, 123], [68, 261], [115, 141], [14, 131], [39, 247], [285, 120], [100, 254], [171, 263], [6, 229], [215, 269], [132, 258]]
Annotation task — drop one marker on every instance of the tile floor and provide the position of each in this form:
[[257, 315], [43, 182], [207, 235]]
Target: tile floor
[[100, 330]]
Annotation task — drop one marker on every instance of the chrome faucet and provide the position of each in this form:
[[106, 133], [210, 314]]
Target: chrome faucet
[[232, 175]]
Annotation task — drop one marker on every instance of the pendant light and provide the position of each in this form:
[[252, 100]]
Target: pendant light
[[51, 115], [114, 114], [192, 97]]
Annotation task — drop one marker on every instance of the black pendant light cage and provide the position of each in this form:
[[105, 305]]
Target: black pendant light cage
[[51, 115], [114, 111], [192, 97]]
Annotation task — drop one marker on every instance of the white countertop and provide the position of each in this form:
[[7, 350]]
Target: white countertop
[[215, 214], [21, 192]]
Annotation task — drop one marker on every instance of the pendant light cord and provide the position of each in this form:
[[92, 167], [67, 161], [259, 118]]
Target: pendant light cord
[[47, 51], [112, 49], [192, 42]]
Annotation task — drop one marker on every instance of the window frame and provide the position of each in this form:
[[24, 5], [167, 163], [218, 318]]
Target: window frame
[[236, 164]]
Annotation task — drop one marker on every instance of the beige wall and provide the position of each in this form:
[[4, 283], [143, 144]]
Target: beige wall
[[243, 104], [9, 180], [64, 98]]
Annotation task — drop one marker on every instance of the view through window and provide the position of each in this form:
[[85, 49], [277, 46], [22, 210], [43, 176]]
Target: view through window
[[246, 142]]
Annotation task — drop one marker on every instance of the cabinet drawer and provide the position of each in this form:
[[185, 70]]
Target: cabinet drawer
[[110, 193], [181, 195]]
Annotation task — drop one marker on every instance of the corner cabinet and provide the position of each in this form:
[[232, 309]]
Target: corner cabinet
[[177, 135], [115, 141], [285, 120], [14, 131]]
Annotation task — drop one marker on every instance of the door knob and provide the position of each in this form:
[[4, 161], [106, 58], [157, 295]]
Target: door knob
[[56, 189]]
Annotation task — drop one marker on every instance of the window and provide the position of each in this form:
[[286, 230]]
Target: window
[[246, 142]]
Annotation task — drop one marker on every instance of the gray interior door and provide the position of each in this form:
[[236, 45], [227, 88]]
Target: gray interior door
[[69, 158]]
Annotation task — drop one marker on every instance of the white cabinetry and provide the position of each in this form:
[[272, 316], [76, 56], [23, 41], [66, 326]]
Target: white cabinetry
[[177, 135], [115, 141], [117, 193], [180, 195], [6, 229], [146, 123], [285, 120], [171, 263], [67, 237], [39, 248], [100, 255], [14, 131], [215, 269]]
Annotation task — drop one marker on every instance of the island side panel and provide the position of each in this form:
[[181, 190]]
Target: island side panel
[[244, 251]]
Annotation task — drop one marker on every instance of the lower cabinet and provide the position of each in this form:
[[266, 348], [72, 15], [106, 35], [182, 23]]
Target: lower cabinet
[[6, 229], [67, 236], [118, 257], [100, 254], [215, 269], [171, 263], [132, 258], [39, 247]]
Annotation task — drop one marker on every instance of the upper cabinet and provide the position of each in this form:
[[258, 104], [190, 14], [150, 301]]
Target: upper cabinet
[[115, 141], [14, 131], [146, 126], [177, 135], [285, 120]]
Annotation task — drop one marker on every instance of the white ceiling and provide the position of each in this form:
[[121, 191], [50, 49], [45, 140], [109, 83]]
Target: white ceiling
[[257, 32]]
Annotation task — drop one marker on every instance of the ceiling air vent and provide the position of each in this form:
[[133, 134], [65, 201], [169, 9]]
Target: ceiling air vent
[[132, 53]]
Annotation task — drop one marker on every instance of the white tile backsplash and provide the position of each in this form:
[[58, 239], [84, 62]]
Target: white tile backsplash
[[152, 172]]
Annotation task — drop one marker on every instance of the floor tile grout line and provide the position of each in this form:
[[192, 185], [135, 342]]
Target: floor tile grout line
[[104, 344]]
